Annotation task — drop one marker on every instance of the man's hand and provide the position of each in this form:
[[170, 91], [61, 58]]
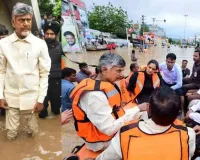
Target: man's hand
[[3, 104], [143, 107], [197, 129], [188, 113], [38, 107], [65, 116]]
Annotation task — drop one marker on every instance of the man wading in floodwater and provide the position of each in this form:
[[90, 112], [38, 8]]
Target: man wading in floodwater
[[24, 70]]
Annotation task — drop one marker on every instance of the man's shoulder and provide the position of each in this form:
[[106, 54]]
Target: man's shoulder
[[6, 39], [162, 64], [177, 66], [36, 39]]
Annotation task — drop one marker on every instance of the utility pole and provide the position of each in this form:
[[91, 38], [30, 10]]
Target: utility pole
[[154, 30], [143, 30], [185, 26]]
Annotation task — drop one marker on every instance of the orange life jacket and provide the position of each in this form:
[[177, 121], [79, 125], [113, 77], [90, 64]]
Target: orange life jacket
[[140, 84], [169, 145], [63, 65], [84, 127], [126, 95]]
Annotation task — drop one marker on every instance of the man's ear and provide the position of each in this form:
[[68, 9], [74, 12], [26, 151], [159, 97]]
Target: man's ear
[[13, 23], [104, 70]]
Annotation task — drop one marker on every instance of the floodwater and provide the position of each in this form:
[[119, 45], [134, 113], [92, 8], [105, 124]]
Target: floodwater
[[45, 146], [69, 137]]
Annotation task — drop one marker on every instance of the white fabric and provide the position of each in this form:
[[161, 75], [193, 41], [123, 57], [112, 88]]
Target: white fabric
[[113, 152], [195, 106], [24, 70], [98, 110]]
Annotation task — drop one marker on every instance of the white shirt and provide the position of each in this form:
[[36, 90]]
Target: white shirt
[[172, 76], [113, 152], [95, 104], [195, 106], [74, 48], [24, 70]]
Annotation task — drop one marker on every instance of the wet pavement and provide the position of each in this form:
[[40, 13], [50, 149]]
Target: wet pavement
[[69, 137], [45, 146]]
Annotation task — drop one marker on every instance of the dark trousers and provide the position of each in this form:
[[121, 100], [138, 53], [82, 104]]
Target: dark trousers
[[179, 91], [188, 84], [53, 96]]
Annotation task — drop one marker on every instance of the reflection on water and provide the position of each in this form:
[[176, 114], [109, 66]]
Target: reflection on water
[[45, 146], [69, 137]]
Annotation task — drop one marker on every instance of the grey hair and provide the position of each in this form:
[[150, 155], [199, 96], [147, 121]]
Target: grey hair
[[110, 60], [21, 9]]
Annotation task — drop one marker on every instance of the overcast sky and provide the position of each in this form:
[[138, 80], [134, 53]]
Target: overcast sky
[[171, 10]]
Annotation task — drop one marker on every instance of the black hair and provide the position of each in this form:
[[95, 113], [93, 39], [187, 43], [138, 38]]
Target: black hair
[[97, 70], [67, 72], [185, 60], [3, 30], [82, 65], [154, 62], [133, 51], [69, 33], [172, 56], [164, 105], [132, 66]]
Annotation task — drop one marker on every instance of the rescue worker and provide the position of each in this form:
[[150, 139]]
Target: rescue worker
[[143, 83], [97, 104], [157, 138]]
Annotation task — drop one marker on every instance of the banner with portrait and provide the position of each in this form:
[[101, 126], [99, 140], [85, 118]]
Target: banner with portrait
[[70, 41]]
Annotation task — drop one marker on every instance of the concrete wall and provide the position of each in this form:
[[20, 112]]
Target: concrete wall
[[6, 11]]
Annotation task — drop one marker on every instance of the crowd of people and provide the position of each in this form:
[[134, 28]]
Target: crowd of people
[[117, 116], [155, 99]]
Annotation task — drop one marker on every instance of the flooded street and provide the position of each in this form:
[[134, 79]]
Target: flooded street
[[69, 137], [45, 146]]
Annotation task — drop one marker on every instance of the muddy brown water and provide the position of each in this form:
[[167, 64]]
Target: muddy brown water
[[69, 137], [45, 146]]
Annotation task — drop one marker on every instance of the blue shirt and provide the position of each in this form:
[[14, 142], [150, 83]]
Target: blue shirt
[[67, 88], [81, 76], [172, 77]]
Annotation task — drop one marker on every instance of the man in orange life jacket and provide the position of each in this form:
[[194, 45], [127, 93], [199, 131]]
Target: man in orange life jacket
[[156, 138], [97, 104]]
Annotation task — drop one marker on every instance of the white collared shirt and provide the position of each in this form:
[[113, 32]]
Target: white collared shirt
[[95, 104], [24, 70], [172, 77], [113, 152]]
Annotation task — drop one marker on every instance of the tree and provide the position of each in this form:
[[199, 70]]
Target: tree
[[46, 7], [170, 40], [109, 19], [57, 8], [146, 29]]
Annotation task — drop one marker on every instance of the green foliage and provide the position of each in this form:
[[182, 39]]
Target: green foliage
[[179, 42], [57, 8], [46, 7], [170, 41], [146, 29], [109, 19]]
